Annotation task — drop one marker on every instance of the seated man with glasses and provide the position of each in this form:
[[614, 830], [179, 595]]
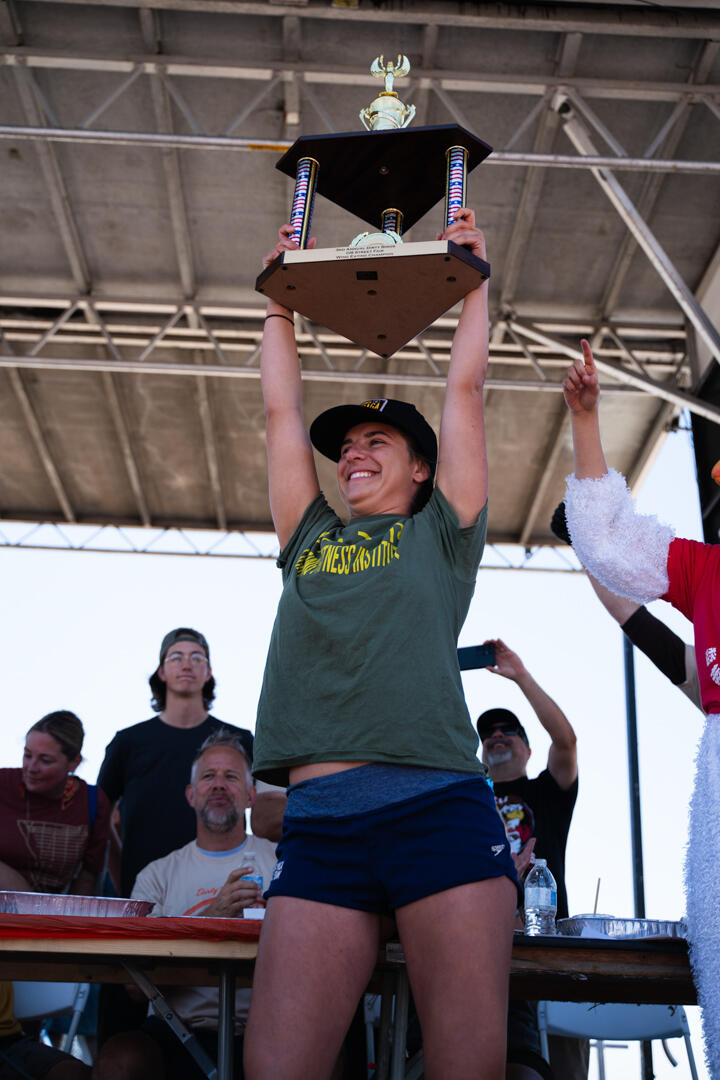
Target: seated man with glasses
[[537, 813]]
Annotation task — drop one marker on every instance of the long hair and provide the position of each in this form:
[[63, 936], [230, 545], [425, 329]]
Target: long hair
[[66, 729], [159, 692], [425, 489]]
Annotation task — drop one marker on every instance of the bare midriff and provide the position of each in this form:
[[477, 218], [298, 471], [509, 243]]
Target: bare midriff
[[322, 768]]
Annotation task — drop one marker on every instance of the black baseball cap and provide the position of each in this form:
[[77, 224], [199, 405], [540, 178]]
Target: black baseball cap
[[183, 633], [492, 719], [329, 429]]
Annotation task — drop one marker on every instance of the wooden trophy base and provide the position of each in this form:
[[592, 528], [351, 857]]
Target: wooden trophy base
[[379, 296]]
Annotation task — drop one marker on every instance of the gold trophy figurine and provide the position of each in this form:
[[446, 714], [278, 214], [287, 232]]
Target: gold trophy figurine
[[379, 291], [387, 112]]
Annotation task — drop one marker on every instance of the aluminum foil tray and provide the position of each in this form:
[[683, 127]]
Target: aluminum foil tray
[[608, 926], [29, 903]]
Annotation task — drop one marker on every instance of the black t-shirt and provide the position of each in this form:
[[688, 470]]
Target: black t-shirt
[[148, 767], [539, 808]]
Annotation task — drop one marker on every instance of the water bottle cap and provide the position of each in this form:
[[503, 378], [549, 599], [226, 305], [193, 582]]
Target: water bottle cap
[[541, 862]]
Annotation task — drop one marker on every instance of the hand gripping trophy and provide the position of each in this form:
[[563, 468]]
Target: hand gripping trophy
[[379, 291]]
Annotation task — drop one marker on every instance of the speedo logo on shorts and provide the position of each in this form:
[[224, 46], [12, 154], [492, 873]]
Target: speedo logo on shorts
[[375, 403], [497, 848], [277, 871]]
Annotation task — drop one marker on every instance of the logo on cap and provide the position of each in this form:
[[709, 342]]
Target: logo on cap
[[375, 403]]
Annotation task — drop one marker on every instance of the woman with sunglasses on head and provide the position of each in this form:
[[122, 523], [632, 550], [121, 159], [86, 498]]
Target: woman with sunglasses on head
[[362, 713]]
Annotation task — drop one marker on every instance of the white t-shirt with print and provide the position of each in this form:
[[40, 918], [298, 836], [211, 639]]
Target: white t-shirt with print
[[184, 883]]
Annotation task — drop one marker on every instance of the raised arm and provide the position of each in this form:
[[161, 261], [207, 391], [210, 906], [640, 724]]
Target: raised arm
[[292, 477], [627, 552], [562, 757], [582, 392], [462, 472]]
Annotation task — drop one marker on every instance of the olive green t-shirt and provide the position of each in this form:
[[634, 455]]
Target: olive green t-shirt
[[362, 664]]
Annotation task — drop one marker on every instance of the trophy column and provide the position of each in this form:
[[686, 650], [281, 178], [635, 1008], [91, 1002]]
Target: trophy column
[[379, 291], [456, 158], [392, 221], [303, 200]]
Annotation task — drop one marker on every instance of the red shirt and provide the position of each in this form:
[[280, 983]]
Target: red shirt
[[49, 841], [694, 574]]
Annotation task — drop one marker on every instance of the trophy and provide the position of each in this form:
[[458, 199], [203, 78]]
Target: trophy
[[379, 291]]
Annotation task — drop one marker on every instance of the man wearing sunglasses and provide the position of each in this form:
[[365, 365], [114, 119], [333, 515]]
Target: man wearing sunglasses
[[537, 813]]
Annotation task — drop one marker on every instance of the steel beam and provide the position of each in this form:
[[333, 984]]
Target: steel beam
[[164, 140], [126, 449], [207, 427], [651, 445], [580, 138], [160, 89], [111, 98], [421, 88], [214, 371], [329, 73], [119, 420], [39, 440], [630, 378], [75, 538], [55, 185], [550, 459], [556, 18]]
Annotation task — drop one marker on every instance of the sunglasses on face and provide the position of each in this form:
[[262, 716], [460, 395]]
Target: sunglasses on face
[[501, 731]]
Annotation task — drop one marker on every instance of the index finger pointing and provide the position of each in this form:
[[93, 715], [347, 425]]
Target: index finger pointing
[[588, 356]]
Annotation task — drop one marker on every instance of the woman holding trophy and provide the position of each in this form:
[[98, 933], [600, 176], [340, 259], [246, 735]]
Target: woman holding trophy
[[362, 713]]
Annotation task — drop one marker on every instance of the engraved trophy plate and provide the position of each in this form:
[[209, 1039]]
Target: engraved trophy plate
[[379, 291]]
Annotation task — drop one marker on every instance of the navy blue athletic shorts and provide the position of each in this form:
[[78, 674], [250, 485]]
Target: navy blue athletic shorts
[[382, 859]]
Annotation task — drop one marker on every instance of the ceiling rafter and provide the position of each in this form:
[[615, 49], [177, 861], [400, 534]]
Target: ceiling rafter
[[54, 183], [118, 414], [549, 459], [624, 375], [649, 22], [40, 442], [208, 425], [666, 140], [575, 128], [160, 90], [502, 158], [321, 73]]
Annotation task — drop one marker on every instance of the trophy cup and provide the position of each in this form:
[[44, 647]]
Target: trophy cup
[[379, 291]]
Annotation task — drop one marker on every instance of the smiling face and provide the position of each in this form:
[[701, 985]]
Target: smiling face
[[377, 472], [505, 754], [45, 767]]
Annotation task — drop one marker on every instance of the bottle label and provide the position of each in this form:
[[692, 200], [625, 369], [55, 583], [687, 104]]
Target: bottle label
[[538, 897]]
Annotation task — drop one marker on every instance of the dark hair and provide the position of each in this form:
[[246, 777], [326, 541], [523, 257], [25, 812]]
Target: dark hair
[[159, 691], [223, 736], [66, 729], [425, 489]]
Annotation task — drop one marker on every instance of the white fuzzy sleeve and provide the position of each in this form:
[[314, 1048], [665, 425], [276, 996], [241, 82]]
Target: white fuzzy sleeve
[[624, 550]]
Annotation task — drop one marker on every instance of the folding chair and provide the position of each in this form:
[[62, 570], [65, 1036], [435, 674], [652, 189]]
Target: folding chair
[[43, 1000], [627, 1022]]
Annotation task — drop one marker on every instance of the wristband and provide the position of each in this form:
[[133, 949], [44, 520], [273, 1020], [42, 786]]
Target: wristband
[[277, 315]]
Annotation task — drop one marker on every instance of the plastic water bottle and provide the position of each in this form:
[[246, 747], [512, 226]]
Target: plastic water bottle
[[540, 900], [250, 860]]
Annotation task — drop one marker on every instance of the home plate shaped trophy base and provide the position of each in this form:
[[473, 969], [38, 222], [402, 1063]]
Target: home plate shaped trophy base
[[379, 291], [379, 296]]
